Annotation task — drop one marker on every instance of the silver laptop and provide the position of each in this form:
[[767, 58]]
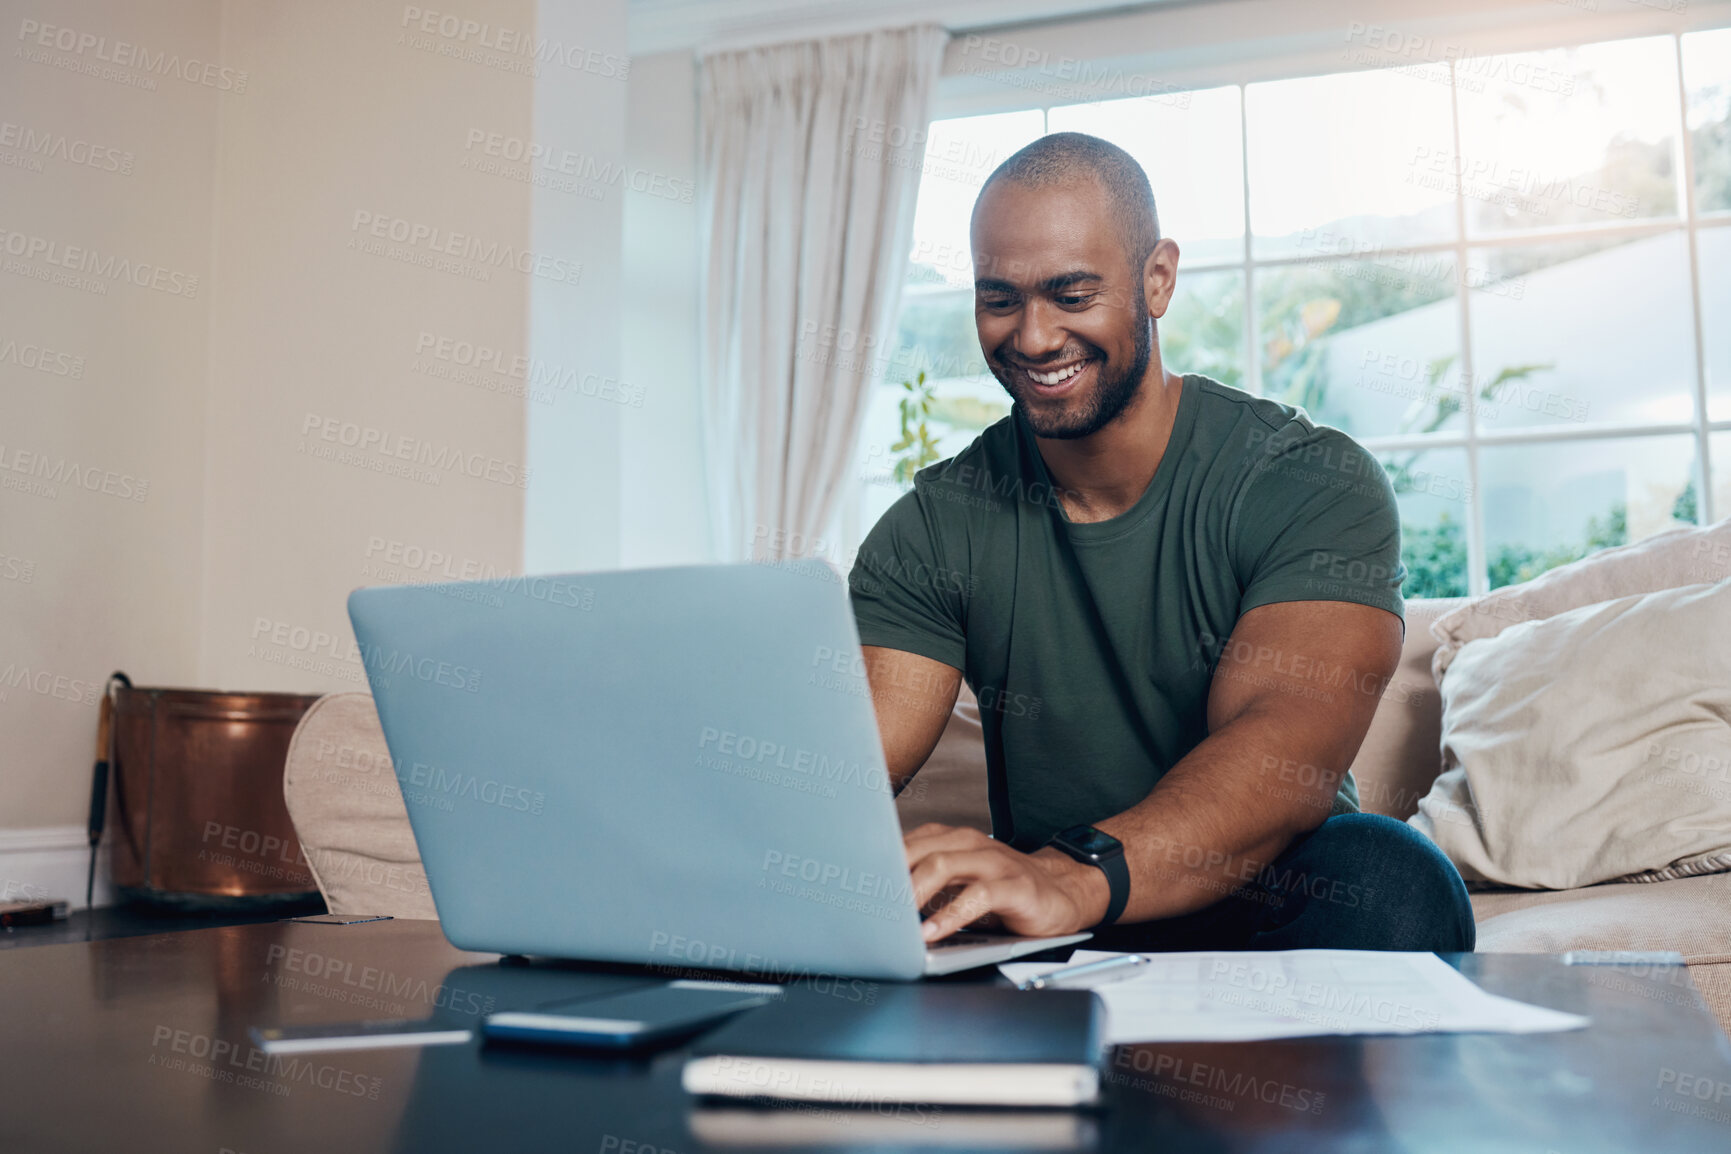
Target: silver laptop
[[673, 767]]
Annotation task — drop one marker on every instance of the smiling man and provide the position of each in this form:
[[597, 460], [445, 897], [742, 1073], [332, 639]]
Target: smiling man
[[1177, 603]]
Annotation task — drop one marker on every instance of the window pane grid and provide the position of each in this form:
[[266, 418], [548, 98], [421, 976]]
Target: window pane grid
[[1490, 246]]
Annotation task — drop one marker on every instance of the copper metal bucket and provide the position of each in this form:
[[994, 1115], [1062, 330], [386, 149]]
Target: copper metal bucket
[[199, 816]]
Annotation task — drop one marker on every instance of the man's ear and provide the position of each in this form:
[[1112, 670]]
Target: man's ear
[[1160, 277]]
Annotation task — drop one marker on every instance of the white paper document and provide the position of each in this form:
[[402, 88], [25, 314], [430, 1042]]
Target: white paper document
[[1231, 996]]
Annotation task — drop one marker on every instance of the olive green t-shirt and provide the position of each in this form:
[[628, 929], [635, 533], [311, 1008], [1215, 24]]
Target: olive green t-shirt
[[1091, 646]]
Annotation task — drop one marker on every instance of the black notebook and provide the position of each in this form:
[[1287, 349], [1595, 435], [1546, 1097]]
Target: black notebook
[[931, 1043]]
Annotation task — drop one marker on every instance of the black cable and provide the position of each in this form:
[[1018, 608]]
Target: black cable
[[99, 781]]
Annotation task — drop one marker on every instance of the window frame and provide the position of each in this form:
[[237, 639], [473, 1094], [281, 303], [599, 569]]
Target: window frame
[[1470, 437]]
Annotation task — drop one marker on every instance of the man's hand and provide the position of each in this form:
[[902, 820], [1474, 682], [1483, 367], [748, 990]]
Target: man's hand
[[1043, 894]]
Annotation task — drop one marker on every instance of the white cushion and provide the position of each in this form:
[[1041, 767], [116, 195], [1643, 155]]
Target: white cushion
[[1681, 556], [1590, 746]]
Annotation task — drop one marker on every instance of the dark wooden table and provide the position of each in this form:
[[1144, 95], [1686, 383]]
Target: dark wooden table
[[140, 1044]]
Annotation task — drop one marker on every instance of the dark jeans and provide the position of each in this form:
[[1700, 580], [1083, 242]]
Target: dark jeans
[[1359, 881]]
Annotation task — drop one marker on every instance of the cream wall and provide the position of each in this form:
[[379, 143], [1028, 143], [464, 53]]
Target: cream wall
[[236, 400], [102, 457], [324, 332]]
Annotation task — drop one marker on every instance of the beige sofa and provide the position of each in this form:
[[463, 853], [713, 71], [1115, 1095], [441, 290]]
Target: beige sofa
[[350, 816]]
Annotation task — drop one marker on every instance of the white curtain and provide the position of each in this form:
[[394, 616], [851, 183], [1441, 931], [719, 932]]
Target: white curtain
[[810, 164]]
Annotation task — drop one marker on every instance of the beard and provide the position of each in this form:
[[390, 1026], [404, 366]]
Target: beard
[[1085, 416]]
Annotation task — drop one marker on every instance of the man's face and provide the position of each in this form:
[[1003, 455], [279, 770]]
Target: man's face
[[1062, 317]]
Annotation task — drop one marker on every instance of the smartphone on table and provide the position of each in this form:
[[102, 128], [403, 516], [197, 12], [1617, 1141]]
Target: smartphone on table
[[638, 1019]]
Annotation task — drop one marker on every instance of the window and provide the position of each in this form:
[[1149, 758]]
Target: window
[[1507, 276]]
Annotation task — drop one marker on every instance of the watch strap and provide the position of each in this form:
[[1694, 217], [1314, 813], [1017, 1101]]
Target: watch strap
[[1113, 865], [1117, 873]]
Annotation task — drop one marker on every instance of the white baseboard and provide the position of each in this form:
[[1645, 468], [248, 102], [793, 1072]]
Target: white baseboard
[[50, 862]]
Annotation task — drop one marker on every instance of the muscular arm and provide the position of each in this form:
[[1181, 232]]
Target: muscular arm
[[913, 696], [1296, 685]]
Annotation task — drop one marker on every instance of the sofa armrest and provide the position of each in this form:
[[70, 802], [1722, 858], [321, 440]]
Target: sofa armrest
[[1402, 752]]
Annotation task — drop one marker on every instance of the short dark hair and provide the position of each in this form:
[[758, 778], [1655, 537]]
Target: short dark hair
[[1066, 156]]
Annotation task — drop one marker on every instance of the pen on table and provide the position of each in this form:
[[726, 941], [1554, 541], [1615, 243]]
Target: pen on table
[[1085, 970]]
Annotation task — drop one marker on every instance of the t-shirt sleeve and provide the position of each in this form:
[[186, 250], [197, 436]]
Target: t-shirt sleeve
[[904, 594], [1318, 521]]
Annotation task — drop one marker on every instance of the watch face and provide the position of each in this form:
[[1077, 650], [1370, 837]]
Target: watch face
[[1086, 839]]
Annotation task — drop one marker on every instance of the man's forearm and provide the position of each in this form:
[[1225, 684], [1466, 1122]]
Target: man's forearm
[[1216, 819], [913, 697]]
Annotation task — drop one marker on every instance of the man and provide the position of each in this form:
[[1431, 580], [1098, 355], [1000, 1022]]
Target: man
[[1177, 603]]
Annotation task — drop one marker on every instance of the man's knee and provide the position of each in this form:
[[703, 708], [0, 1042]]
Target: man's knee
[[1396, 890]]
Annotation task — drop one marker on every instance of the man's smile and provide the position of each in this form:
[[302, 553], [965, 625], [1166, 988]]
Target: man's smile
[[1054, 382]]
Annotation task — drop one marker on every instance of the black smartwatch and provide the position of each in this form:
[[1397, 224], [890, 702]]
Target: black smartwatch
[[1097, 848]]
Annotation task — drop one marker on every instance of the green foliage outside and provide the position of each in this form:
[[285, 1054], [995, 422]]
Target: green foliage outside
[[1203, 330], [1713, 165], [1436, 555], [916, 448], [1301, 306]]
